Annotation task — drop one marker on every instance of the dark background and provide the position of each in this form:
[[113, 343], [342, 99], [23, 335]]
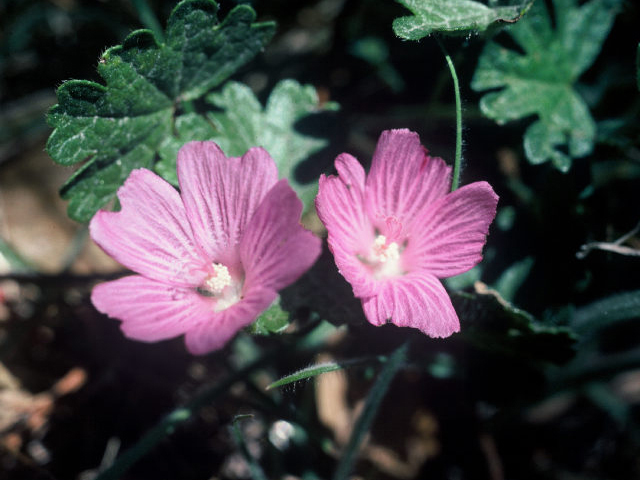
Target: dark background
[[503, 408]]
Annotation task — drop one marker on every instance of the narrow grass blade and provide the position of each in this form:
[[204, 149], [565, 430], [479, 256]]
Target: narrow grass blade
[[321, 368], [378, 391], [308, 372], [254, 467]]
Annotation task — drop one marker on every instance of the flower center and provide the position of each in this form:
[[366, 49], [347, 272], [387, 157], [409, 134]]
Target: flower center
[[222, 287], [382, 252], [383, 258], [220, 279]]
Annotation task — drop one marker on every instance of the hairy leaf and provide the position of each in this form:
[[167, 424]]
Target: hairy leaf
[[242, 122], [187, 127], [320, 368], [245, 123], [305, 373], [541, 81], [492, 323], [273, 320], [453, 17], [124, 123]]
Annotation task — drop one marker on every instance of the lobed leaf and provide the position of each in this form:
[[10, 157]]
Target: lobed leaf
[[187, 127], [541, 80], [453, 17], [243, 123], [127, 122]]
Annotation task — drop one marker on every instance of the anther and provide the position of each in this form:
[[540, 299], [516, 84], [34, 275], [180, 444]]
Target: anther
[[220, 279]]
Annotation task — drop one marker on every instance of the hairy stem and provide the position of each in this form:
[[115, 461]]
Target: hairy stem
[[456, 88]]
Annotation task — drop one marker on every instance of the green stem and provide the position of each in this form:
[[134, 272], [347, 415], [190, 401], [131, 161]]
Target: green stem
[[456, 88], [254, 467], [148, 18], [360, 429]]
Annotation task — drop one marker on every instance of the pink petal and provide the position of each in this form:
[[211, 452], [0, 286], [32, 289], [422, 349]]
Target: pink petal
[[275, 249], [213, 335], [403, 178], [340, 205], [448, 237], [221, 194], [416, 300], [150, 310], [150, 234]]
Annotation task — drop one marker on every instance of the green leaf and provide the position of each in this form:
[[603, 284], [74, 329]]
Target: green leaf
[[607, 311], [464, 280], [375, 51], [186, 128], [321, 368], [513, 277], [244, 123], [442, 366], [273, 320], [305, 373], [453, 17], [12, 262], [608, 171], [541, 81], [127, 122], [490, 322], [600, 393]]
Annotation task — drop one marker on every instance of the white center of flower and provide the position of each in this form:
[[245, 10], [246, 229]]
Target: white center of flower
[[222, 287], [220, 279], [383, 258], [382, 253]]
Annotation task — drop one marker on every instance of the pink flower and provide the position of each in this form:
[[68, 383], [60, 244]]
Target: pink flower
[[394, 233], [210, 259]]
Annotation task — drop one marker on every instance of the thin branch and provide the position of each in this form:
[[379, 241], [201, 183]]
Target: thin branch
[[614, 247]]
